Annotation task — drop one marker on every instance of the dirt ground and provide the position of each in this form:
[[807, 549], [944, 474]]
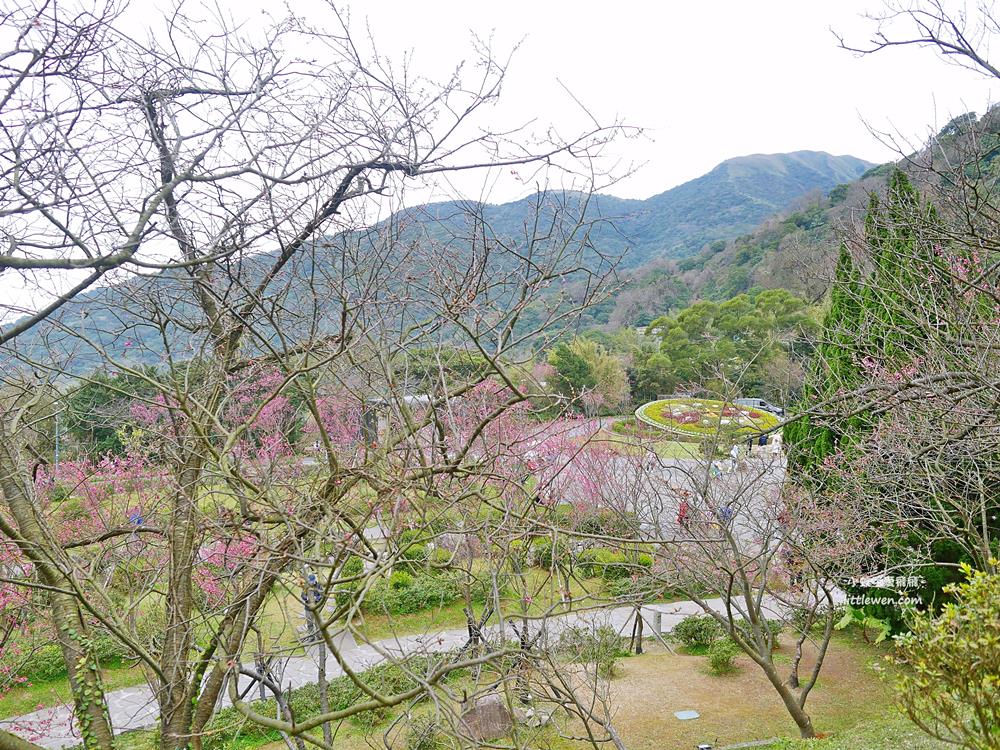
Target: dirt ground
[[741, 706]]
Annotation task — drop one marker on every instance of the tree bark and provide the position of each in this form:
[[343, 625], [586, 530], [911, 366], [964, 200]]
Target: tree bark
[[69, 622], [175, 694]]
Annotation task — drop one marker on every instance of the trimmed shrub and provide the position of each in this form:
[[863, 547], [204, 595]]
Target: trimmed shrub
[[46, 663], [413, 545], [441, 556], [642, 587], [611, 565], [400, 579], [404, 593], [721, 654], [697, 631], [606, 523], [353, 566], [544, 553]]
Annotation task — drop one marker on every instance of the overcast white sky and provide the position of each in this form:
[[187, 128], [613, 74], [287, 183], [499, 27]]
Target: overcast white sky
[[707, 80], [710, 80]]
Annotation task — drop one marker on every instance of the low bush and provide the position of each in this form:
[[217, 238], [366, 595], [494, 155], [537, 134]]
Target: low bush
[[775, 627], [697, 631], [45, 663], [424, 733], [602, 646], [606, 523], [404, 593], [304, 702], [721, 654], [611, 565], [632, 426], [400, 579], [441, 556], [544, 554], [353, 566], [645, 588]]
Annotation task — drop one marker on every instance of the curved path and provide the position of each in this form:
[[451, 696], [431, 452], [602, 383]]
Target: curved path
[[135, 707]]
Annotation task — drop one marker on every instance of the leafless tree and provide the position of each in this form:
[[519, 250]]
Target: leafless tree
[[228, 180], [759, 558], [961, 36]]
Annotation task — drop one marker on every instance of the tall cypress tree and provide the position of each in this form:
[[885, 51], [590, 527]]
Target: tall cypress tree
[[833, 368], [870, 322], [893, 293], [873, 329]]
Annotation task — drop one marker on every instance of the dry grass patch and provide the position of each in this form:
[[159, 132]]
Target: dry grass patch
[[741, 706]]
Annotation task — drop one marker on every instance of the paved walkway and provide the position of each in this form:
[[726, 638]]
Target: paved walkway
[[135, 707]]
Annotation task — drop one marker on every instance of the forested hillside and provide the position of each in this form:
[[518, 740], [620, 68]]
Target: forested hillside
[[797, 248], [725, 203]]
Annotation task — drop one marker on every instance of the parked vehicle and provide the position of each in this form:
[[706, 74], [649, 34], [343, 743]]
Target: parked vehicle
[[759, 403]]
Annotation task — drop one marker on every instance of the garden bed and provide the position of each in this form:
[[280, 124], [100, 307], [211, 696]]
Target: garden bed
[[699, 417]]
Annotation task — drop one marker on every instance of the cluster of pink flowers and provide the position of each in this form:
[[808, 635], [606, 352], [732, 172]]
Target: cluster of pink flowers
[[879, 372], [340, 417], [219, 562], [228, 554], [687, 417], [112, 491]]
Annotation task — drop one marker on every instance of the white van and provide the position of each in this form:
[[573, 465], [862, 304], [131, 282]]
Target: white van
[[759, 403]]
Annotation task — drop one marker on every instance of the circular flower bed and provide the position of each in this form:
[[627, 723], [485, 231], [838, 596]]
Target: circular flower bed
[[700, 416]]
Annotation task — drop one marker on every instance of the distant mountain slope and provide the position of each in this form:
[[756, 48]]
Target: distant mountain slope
[[727, 202], [732, 199], [796, 248]]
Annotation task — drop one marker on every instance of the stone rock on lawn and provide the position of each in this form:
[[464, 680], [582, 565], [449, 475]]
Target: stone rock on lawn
[[488, 719]]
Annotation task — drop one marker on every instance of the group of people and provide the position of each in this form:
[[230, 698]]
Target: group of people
[[723, 515]]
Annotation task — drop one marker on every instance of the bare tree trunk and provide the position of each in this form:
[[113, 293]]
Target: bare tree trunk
[[175, 694], [791, 701], [324, 696], [68, 620], [637, 631]]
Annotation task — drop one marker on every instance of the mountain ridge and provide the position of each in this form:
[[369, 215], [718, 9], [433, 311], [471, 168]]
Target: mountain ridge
[[725, 203], [731, 199]]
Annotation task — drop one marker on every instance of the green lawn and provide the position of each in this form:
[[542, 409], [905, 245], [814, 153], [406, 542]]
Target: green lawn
[[664, 448], [851, 706], [890, 732]]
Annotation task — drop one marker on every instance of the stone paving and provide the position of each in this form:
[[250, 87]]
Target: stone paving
[[135, 707]]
